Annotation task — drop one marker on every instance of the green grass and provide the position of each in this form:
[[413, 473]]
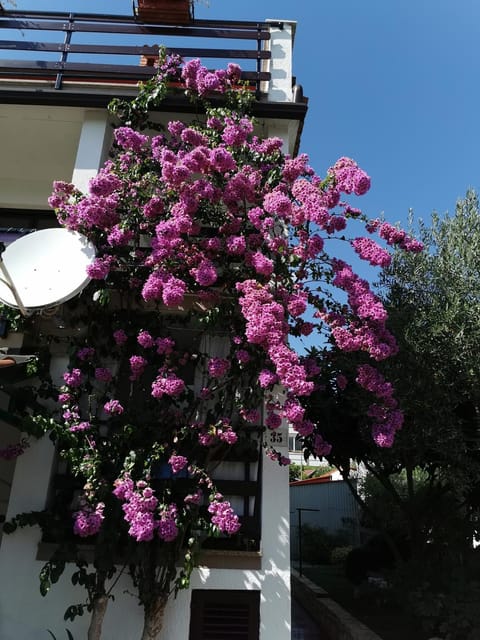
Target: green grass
[[388, 621]]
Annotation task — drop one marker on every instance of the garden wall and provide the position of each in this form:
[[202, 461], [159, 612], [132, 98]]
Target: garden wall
[[334, 622]]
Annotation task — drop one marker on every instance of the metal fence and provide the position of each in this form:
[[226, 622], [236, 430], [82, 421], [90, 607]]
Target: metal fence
[[327, 505]]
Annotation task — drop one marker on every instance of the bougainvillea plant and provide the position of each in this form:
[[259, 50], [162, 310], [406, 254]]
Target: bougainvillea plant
[[208, 231]]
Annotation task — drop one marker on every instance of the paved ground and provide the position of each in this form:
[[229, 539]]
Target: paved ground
[[303, 627]]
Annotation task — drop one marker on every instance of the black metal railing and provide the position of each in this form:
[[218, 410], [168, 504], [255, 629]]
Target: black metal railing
[[28, 219], [110, 48]]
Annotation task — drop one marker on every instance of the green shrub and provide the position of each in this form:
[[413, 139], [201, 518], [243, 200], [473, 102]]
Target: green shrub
[[339, 554], [317, 544], [294, 472]]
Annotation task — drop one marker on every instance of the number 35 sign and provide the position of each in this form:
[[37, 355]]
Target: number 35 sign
[[277, 438]]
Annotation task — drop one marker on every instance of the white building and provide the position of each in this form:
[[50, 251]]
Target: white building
[[295, 452], [55, 83]]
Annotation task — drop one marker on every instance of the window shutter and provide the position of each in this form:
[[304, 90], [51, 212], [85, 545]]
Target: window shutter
[[219, 614]]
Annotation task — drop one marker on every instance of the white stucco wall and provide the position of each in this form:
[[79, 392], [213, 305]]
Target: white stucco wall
[[26, 615], [279, 88], [93, 146]]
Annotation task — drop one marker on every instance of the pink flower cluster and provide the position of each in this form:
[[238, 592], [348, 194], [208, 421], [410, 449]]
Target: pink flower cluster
[[237, 239], [160, 286], [218, 367], [267, 326], [73, 378], [223, 516], [367, 330], [145, 340], [137, 367], [276, 456], [386, 416], [394, 236], [372, 380], [88, 520], [199, 80], [212, 434], [349, 178], [100, 267], [120, 337], [103, 374], [170, 385], [143, 511], [12, 451], [86, 354], [177, 463], [320, 446], [372, 252], [113, 407], [78, 427]]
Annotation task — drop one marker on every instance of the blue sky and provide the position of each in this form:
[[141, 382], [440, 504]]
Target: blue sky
[[392, 83]]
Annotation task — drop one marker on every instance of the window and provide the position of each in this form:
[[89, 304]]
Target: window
[[294, 444]]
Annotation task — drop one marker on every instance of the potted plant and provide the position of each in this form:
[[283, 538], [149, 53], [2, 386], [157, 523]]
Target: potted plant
[[165, 11]]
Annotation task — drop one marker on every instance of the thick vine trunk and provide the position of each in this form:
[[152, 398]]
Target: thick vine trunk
[[153, 617], [98, 614]]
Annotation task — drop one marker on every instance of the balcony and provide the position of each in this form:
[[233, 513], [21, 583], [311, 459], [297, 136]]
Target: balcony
[[59, 71], [84, 59]]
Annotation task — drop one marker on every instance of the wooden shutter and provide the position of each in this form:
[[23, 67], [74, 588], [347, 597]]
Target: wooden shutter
[[221, 614]]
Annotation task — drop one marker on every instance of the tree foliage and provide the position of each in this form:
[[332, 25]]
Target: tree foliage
[[424, 488]]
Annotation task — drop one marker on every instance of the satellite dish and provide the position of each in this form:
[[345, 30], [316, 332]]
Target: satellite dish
[[44, 269]]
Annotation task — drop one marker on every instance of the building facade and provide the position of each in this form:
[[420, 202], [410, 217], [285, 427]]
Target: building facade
[[55, 126]]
